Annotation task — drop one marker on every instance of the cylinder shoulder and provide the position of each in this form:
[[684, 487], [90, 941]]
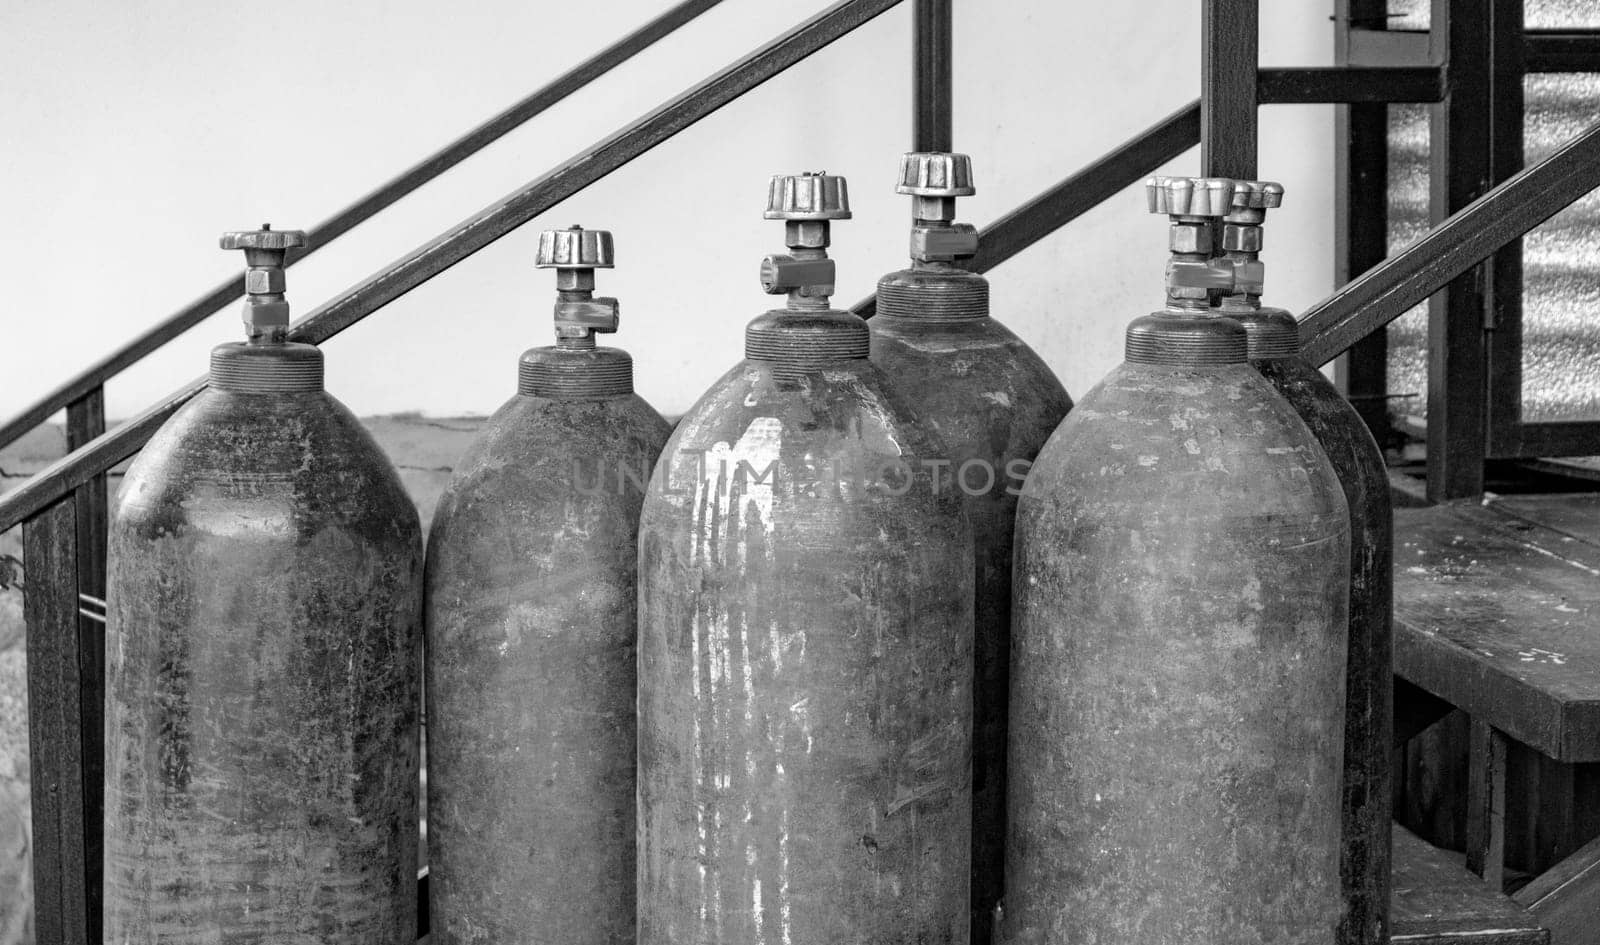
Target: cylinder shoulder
[[1210, 439], [980, 387], [1331, 418], [538, 463], [303, 457], [831, 436]]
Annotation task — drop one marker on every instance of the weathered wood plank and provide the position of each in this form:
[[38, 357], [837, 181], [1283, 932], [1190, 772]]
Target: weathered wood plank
[[1436, 901], [62, 833], [1499, 621], [1572, 515], [1566, 898], [1486, 805]]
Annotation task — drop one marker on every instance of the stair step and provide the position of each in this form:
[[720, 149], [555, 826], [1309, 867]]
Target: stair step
[[1437, 902], [1495, 609]]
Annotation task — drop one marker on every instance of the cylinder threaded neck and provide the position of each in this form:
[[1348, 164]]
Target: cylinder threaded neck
[[1271, 333], [806, 341], [562, 373], [935, 294], [1183, 340], [288, 368]]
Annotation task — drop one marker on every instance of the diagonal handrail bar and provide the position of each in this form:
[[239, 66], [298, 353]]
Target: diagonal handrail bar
[[1466, 238], [456, 244], [1053, 209], [1365, 304], [359, 212]]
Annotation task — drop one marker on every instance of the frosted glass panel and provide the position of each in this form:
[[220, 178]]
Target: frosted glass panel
[[1536, 14], [1409, 14], [1561, 263], [1408, 220], [1561, 266], [1561, 14]]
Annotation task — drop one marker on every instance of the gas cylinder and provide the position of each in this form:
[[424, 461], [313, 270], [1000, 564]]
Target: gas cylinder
[[1177, 683], [993, 402], [530, 616], [1274, 343], [805, 642], [263, 652]]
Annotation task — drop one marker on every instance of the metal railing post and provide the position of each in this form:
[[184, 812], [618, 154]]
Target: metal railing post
[[86, 419], [932, 88], [63, 733], [1361, 217], [1461, 138], [1228, 65]]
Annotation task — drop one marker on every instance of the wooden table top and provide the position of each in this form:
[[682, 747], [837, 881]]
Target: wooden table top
[[1497, 611]]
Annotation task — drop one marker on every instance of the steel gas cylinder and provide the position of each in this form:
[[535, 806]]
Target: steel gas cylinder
[[993, 403], [805, 642], [531, 599], [263, 649], [1274, 342], [1177, 688]]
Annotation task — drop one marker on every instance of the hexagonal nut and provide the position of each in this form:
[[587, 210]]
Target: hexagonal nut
[[266, 313], [1241, 238], [807, 234], [1190, 238], [943, 243], [270, 281], [263, 239]]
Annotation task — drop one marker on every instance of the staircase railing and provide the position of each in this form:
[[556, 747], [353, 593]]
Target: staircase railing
[[94, 377], [64, 532]]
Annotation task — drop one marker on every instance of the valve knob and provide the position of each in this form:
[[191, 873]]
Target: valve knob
[[575, 248], [811, 196], [264, 238], [1256, 195], [935, 174], [1189, 196]]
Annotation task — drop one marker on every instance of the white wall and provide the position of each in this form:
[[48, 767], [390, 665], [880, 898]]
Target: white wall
[[133, 132]]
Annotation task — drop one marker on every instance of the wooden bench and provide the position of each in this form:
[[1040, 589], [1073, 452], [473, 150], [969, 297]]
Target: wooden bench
[[1497, 614], [1437, 902]]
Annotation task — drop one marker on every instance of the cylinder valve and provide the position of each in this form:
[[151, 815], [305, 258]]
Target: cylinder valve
[[1187, 332], [266, 311], [807, 203], [1194, 205], [934, 180], [1241, 239], [1273, 331], [575, 253]]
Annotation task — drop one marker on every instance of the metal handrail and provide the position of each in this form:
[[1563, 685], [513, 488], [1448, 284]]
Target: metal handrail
[[1119, 168], [359, 212], [1463, 240], [466, 238]]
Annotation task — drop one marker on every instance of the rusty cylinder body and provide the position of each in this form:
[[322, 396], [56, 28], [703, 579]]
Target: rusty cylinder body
[[262, 664], [531, 603], [1178, 659], [1369, 691], [993, 402], [805, 661]]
